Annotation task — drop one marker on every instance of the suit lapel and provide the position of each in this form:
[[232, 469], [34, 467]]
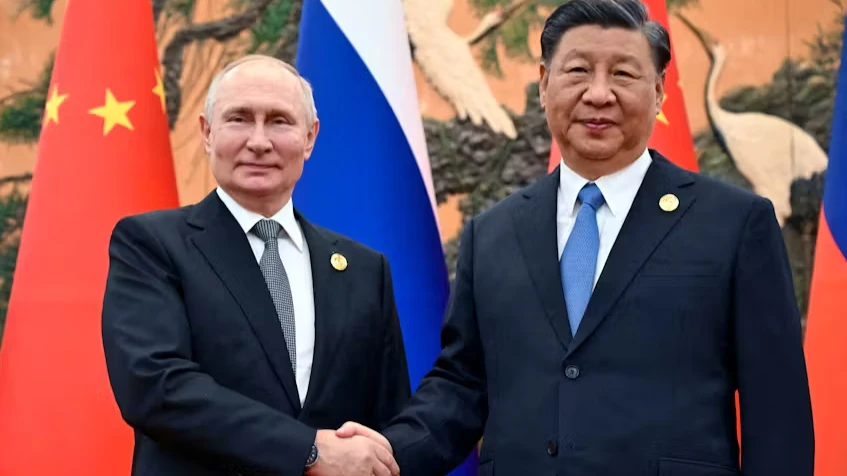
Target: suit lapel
[[645, 227], [331, 292], [535, 225], [227, 250]]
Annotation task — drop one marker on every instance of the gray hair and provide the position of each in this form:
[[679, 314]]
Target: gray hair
[[308, 97]]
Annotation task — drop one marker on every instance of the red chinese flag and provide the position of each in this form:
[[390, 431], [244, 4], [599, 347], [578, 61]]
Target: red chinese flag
[[671, 134], [104, 153]]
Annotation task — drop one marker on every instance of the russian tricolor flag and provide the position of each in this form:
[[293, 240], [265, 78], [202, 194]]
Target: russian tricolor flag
[[369, 176], [826, 334]]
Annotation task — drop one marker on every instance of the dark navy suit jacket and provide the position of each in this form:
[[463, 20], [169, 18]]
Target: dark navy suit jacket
[[197, 358], [692, 304]]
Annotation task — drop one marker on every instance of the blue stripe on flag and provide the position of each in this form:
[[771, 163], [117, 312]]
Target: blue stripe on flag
[[362, 181], [835, 191]]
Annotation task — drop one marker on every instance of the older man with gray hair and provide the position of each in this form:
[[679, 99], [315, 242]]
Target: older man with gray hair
[[237, 334]]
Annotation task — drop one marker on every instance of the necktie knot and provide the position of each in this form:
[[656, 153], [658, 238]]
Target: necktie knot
[[592, 196], [267, 230]]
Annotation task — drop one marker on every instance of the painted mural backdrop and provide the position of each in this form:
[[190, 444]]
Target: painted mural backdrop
[[758, 78]]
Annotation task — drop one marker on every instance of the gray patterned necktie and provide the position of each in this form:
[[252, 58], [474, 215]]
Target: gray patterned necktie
[[277, 280]]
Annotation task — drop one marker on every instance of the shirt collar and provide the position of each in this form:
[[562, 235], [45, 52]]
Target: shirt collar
[[247, 219], [618, 188]]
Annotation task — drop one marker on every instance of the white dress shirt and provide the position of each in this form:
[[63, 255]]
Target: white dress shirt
[[294, 252], [618, 189]]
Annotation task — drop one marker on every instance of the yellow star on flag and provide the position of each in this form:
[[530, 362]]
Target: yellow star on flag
[[113, 112], [661, 115], [159, 90], [51, 108]]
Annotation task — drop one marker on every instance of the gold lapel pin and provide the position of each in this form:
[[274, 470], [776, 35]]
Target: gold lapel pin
[[668, 202], [338, 261]]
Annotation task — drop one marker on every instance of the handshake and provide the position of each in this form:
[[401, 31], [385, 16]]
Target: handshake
[[353, 450]]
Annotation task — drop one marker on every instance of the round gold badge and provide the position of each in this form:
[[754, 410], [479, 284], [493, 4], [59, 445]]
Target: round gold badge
[[338, 261], [668, 202]]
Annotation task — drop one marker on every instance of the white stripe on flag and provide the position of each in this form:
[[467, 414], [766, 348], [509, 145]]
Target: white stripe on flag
[[377, 30]]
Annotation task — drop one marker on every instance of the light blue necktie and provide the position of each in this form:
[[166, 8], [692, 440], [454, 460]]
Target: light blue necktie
[[579, 259]]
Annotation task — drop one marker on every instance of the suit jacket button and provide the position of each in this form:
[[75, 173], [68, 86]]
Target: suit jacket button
[[552, 448], [571, 372]]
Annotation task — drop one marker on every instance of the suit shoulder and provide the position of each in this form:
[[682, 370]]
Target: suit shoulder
[[503, 208], [347, 243], [717, 192], [156, 219], [724, 192]]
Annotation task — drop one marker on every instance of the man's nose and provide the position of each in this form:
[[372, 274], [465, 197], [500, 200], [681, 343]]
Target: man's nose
[[259, 143], [599, 92]]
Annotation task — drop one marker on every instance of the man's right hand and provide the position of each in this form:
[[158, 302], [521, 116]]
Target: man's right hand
[[356, 456], [351, 429]]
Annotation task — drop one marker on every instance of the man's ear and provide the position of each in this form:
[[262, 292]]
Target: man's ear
[[311, 137], [206, 130]]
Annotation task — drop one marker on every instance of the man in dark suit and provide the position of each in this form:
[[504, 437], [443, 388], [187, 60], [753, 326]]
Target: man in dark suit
[[603, 318], [238, 336]]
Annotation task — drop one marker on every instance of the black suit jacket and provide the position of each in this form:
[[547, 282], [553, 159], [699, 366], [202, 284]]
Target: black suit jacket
[[692, 304], [196, 355]]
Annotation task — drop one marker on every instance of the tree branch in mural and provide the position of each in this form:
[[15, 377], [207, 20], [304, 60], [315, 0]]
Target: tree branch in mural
[[493, 19], [219, 30], [16, 179]]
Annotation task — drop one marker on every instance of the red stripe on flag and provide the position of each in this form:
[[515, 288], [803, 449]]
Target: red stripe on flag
[[826, 354]]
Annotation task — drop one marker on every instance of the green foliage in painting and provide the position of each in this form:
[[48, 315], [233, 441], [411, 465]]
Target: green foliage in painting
[[12, 210], [267, 33], [21, 112], [39, 9], [182, 8]]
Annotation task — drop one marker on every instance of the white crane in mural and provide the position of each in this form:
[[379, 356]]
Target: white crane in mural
[[768, 150], [446, 60]]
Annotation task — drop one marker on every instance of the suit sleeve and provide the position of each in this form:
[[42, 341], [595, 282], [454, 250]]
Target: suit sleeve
[[394, 389], [161, 391], [776, 414], [446, 416]]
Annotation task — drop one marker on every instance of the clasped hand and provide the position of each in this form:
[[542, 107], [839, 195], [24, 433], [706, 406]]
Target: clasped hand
[[353, 450]]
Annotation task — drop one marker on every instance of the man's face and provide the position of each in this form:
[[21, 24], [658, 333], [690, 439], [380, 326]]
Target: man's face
[[257, 136], [601, 93]]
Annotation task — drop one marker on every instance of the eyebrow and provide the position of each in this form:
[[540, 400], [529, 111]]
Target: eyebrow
[[246, 110], [625, 57], [235, 110]]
